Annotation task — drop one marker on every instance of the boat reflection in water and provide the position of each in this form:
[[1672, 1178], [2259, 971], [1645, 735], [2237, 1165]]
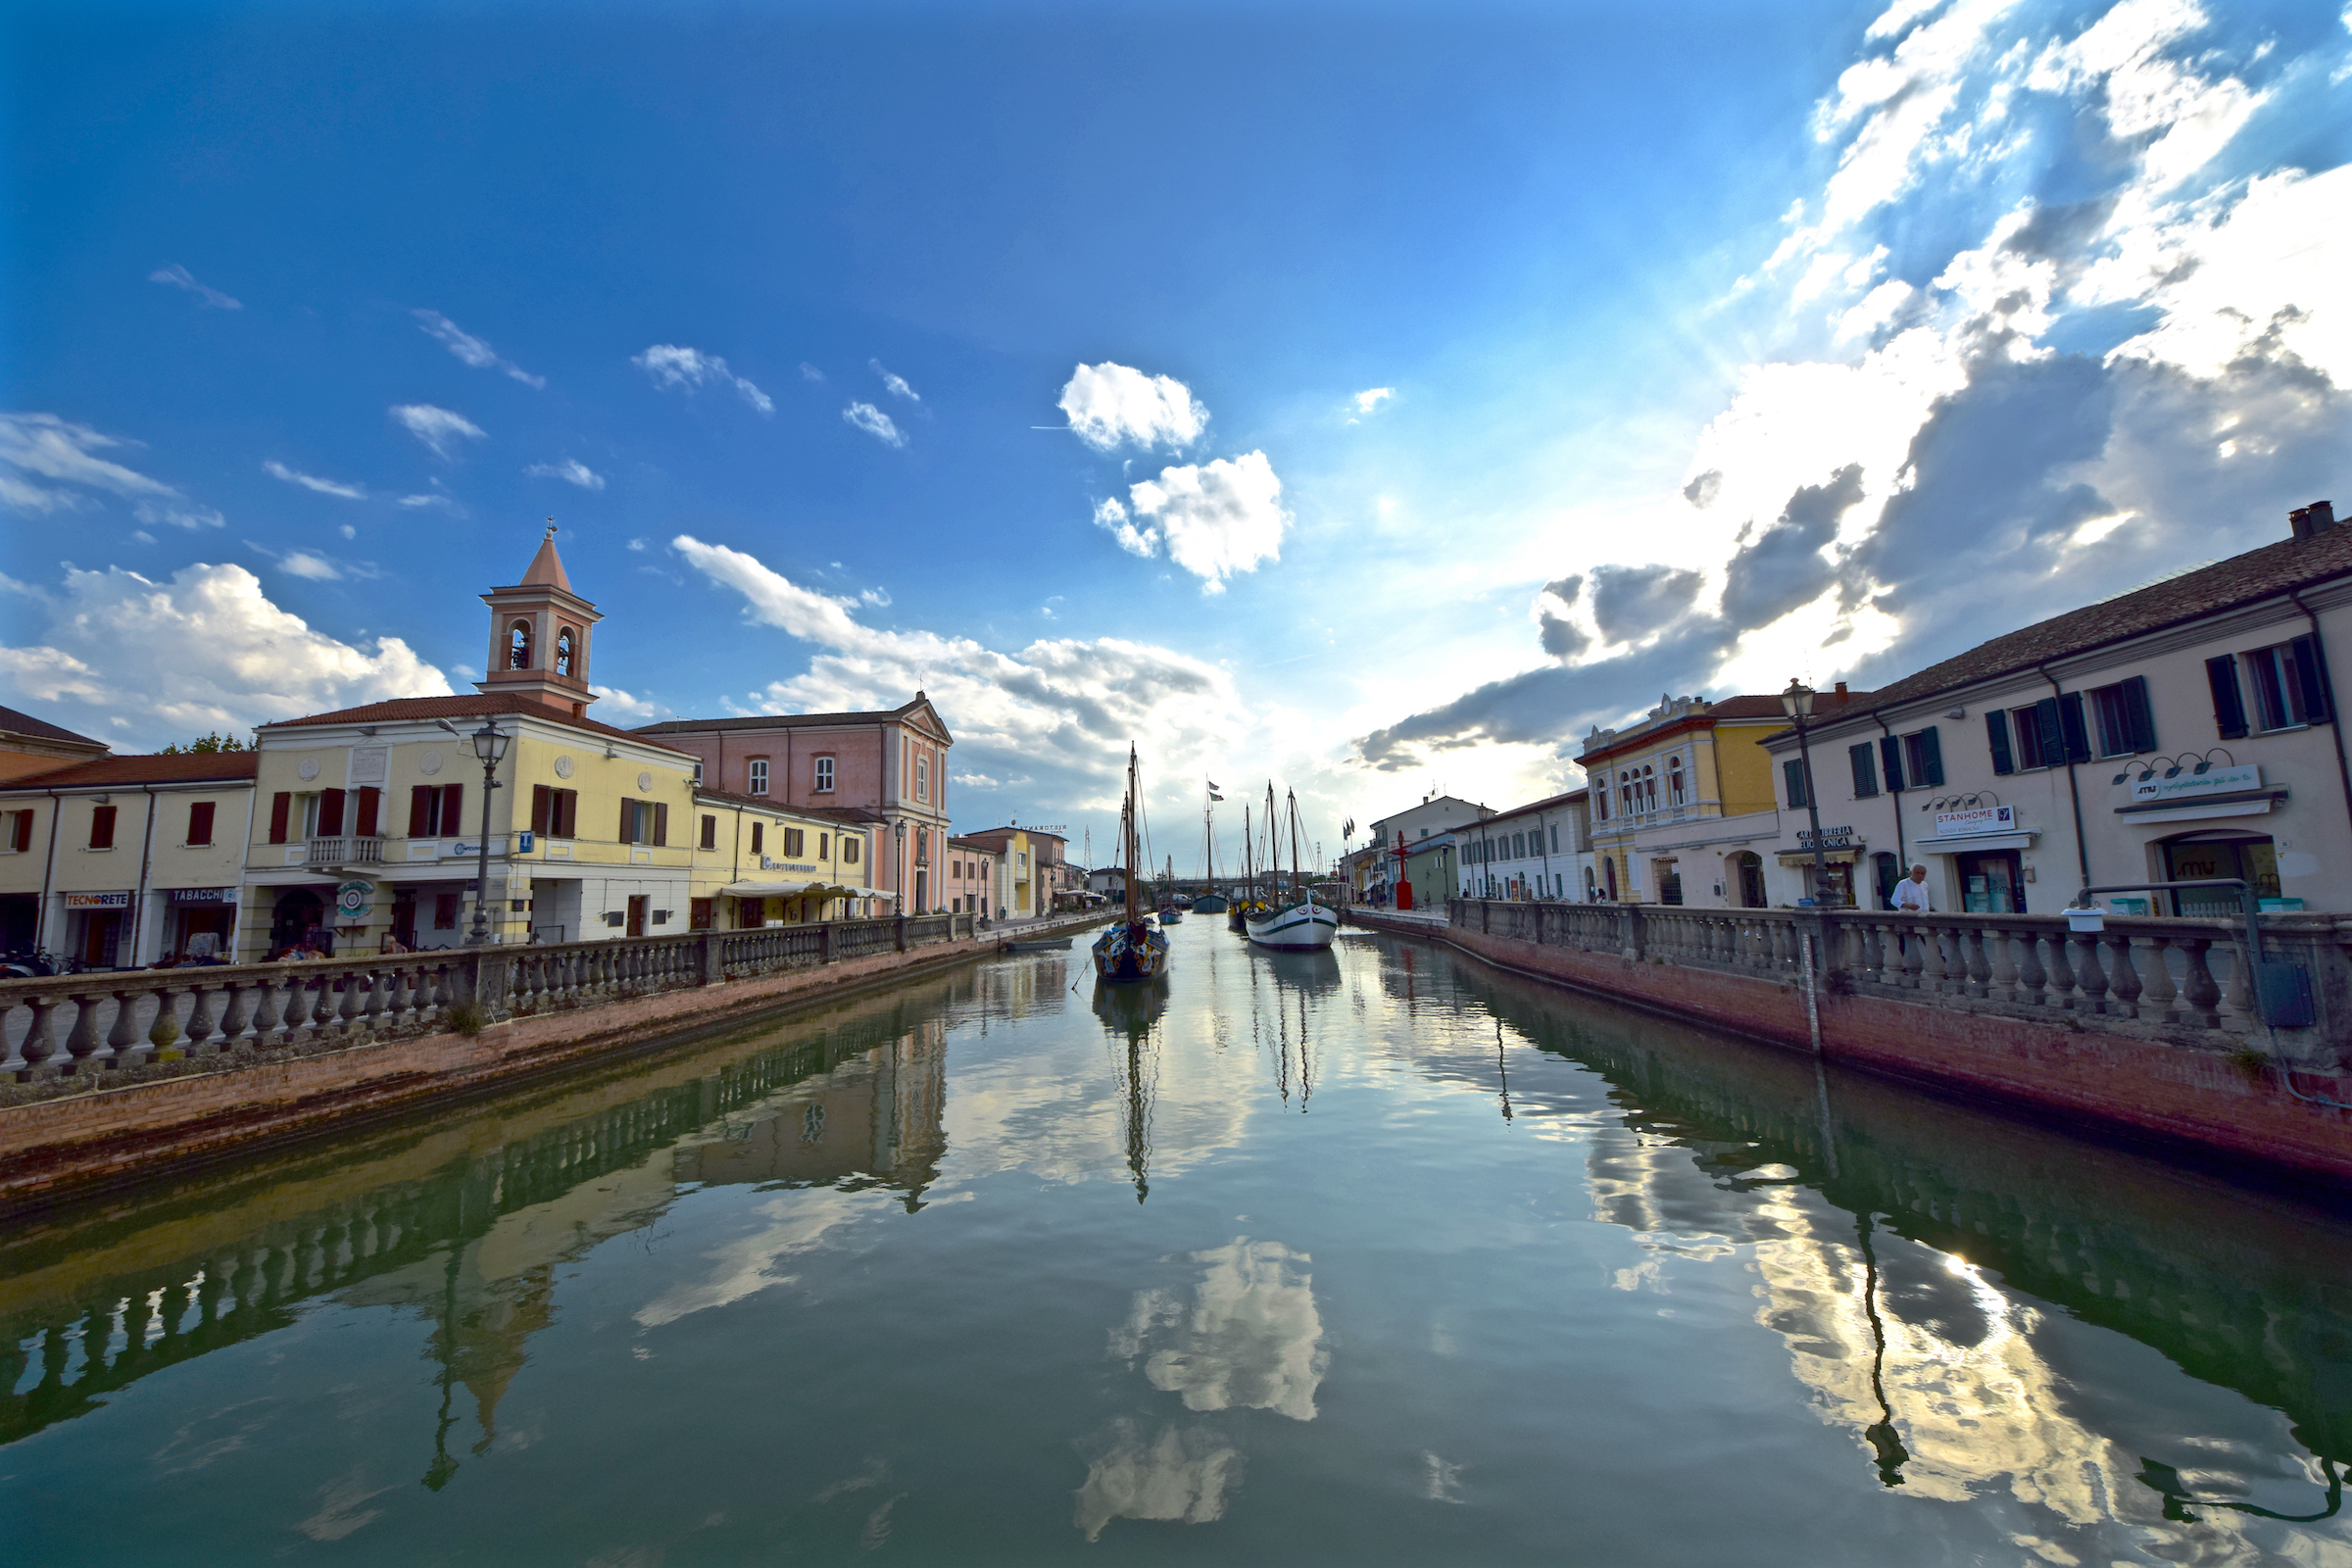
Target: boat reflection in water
[[1129, 1013]]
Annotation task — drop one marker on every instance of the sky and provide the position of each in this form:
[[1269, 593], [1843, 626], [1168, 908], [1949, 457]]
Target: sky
[[1368, 399]]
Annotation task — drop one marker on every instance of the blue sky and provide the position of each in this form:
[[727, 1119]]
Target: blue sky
[[1457, 378]]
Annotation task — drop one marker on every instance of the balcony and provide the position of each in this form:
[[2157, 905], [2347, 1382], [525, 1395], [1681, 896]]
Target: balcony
[[343, 852]]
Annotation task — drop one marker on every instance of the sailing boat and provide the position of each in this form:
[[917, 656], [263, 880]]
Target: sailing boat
[[1133, 948], [1211, 902], [1237, 912], [1297, 923]]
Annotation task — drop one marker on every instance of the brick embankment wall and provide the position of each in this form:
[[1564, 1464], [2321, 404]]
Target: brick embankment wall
[[2150, 1088], [51, 1148]]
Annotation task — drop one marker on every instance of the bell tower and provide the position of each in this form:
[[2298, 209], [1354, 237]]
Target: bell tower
[[539, 634]]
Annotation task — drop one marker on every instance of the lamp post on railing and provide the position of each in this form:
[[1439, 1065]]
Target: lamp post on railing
[[899, 829], [1798, 703], [488, 745]]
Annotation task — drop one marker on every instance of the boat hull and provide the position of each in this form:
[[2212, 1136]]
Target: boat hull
[[1304, 926], [1126, 954], [1209, 904]]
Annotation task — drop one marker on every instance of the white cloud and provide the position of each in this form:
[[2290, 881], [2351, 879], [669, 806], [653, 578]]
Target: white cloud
[[471, 350], [51, 448], [637, 544], [1216, 519], [436, 428], [1372, 398], [673, 367], [1111, 404], [438, 502], [311, 481], [1061, 707], [307, 563], [571, 470], [874, 422], [178, 514], [895, 386], [615, 706], [977, 781], [877, 597], [1111, 515], [205, 649], [810, 373], [349, 533], [179, 276]]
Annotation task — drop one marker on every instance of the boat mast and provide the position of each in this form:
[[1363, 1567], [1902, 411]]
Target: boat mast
[[1130, 846], [1273, 843], [1291, 799]]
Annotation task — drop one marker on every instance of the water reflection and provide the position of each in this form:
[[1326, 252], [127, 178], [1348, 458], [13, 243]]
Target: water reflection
[[1244, 1335], [1178, 1473], [1128, 1014]]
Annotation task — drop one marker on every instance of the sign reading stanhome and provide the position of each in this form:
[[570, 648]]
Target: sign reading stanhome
[[2219, 781], [1981, 820]]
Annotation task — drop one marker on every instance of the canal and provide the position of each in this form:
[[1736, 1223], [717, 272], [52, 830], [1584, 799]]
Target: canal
[[1375, 1256]]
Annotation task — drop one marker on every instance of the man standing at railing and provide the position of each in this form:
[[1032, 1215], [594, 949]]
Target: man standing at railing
[[1911, 893]]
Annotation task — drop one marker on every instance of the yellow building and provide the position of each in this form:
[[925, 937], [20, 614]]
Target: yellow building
[[368, 822], [758, 863]]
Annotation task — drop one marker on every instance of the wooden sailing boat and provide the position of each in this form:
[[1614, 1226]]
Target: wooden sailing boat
[[1133, 947], [1211, 902], [1295, 921]]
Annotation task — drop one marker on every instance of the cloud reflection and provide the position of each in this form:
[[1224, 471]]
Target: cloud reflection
[[1181, 1474], [1249, 1338]]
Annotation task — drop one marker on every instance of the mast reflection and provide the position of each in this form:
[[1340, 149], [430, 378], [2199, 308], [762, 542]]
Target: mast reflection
[[1129, 1014]]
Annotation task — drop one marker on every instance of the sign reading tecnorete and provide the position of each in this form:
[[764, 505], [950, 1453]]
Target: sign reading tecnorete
[[2219, 782], [1980, 819]]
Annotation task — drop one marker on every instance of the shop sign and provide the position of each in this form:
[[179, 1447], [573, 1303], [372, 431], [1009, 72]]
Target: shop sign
[[98, 900], [1828, 838], [2219, 781], [766, 865], [353, 898], [203, 895], [1983, 819]]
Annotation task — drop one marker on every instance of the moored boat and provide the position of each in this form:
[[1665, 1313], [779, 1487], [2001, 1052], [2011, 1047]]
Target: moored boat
[[1297, 921], [1134, 947]]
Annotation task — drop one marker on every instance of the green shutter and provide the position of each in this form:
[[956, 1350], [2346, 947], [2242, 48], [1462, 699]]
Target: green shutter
[[1931, 759], [1997, 735]]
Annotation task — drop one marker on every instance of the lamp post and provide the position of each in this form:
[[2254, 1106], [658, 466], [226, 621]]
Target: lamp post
[[899, 829], [1798, 703], [488, 745]]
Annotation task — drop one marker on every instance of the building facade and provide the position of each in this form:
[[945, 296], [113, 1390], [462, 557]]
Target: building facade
[[891, 763], [29, 745], [755, 865], [1375, 871], [1538, 851], [2182, 732]]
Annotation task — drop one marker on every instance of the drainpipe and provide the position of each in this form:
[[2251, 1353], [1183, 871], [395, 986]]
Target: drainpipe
[[2073, 790], [1902, 854], [2319, 649], [41, 922], [139, 900], [237, 924]]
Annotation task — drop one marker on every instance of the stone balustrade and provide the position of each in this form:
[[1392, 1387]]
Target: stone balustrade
[[104, 1022], [2188, 977]]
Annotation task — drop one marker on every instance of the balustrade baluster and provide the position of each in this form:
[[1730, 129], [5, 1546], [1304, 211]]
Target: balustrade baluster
[[352, 988], [2062, 993], [1934, 973], [266, 1014], [84, 1051], [2160, 995], [2003, 978], [2088, 973], [2237, 998], [128, 1042], [1971, 940], [1914, 952], [196, 1035], [2121, 983]]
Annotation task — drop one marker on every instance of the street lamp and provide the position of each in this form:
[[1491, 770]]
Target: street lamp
[[490, 746], [1798, 703], [899, 829]]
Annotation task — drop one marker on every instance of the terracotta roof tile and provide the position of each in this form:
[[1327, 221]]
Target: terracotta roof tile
[[180, 767], [476, 706]]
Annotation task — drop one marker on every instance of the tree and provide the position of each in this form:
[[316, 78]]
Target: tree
[[204, 746]]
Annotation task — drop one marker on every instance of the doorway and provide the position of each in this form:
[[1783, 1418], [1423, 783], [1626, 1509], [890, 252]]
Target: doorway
[[101, 935], [1748, 878], [2247, 857], [1992, 882], [404, 917], [637, 907], [1886, 871], [297, 914]]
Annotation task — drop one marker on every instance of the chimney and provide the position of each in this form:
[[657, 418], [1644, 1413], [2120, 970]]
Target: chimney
[[1842, 691], [2304, 522]]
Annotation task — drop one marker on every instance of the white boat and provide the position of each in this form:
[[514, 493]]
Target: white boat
[[1303, 927]]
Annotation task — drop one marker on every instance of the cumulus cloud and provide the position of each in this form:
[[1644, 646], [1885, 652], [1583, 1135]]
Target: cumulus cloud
[[179, 276], [874, 422], [1372, 398], [205, 649], [1060, 711], [616, 707], [2138, 375], [438, 428], [674, 368], [471, 350], [1216, 520], [571, 470], [895, 386], [1112, 517], [311, 481], [1110, 405]]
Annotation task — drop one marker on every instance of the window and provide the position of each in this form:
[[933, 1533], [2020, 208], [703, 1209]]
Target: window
[[1866, 770], [2289, 687], [1792, 774], [850, 850], [518, 645], [445, 911], [1674, 781], [1649, 787], [795, 842], [2051, 733], [698, 774], [200, 822], [563, 652], [1923, 758], [759, 837], [644, 822], [710, 841], [555, 814], [20, 832], [824, 846], [434, 811], [1518, 846], [1555, 838], [824, 775], [922, 778], [102, 827], [758, 775], [2127, 727]]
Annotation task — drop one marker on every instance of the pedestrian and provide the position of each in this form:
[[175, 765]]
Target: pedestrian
[[1911, 893]]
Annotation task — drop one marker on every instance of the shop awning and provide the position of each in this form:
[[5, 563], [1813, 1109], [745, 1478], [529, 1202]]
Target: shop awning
[[792, 889], [1980, 841]]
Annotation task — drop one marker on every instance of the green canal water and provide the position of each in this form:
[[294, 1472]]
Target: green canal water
[[1378, 1256]]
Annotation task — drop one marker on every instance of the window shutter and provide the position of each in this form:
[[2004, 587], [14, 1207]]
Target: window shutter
[[1931, 759], [710, 833], [567, 813], [661, 823], [2070, 727], [452, 809], [421, 811], [2228, 702], [1865, 771], [200, 822], [2311, 676], [1997, 735], [281, 806], [2138, 718], [543, 810], [1891, 761], [2054, 736], [370, 810], [102, 827], [628, 821], [1795, 773]]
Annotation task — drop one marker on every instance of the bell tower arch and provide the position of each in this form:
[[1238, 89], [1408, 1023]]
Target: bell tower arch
[[539, 636]]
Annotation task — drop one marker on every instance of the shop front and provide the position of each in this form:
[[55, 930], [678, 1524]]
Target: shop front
[[202, 922], [1841, 854], [97, 927], [2199, 856], [1986, 846]]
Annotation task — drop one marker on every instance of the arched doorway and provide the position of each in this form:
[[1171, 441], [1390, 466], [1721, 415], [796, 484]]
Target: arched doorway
[[297, 911], [1608, 868], [1748, 878]]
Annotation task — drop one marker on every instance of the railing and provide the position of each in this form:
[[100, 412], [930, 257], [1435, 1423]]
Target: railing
[[343, 852], [2190, 975], [106, 1024]]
